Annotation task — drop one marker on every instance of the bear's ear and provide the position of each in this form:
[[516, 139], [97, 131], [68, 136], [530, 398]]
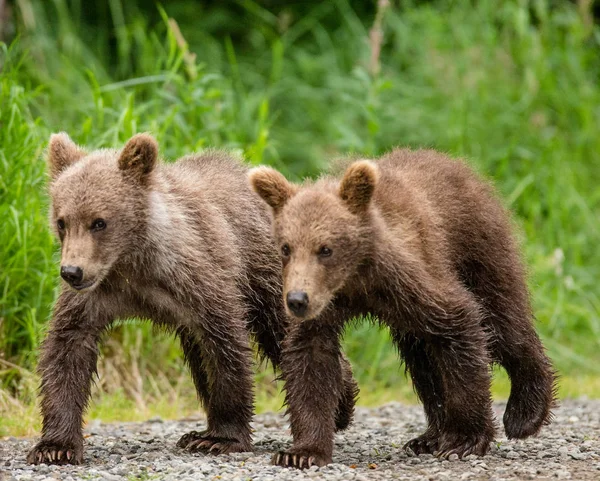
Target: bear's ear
[[272, 186], [139, 156], [358, 185], [62, 152]]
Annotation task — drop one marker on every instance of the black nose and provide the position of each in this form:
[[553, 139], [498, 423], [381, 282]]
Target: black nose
[[71, 274], [297, 301]]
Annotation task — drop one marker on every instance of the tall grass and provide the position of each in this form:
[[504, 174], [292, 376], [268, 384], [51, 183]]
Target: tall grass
[[26, 273], [512, 86]]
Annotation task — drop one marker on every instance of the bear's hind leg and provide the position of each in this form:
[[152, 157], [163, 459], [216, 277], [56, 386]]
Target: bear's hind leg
[[345, 410], [514, 343], [267, 319], [532, 393], [428, 386]]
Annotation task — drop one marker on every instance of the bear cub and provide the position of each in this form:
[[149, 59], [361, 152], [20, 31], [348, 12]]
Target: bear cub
[[417, 240], [186, 245]]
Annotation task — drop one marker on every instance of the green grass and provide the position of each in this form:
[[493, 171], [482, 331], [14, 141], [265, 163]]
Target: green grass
[[511, 86]]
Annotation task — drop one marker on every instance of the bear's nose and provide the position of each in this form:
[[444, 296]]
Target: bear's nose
[[297, 301], [72, 274]]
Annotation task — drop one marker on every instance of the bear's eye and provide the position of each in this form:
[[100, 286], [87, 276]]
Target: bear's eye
[[324, 251], [98, 224], [60, 224], [285, 250]]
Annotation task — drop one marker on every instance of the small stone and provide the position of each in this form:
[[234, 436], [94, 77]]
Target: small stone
[[577, 455], [108, 477], [453, 457], [562, 474]]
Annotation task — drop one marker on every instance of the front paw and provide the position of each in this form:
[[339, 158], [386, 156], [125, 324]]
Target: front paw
[[50, 452], [301, 459], [204, 442], [463, 445], [426, 443]]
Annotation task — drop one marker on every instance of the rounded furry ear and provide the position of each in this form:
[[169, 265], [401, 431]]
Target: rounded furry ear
[[139, 156], [62, 152], [272, 186], [358, 185]]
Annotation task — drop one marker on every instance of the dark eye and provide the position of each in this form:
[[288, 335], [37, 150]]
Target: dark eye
[[285, 250], [324, 251], [98, 224], [60, 224]]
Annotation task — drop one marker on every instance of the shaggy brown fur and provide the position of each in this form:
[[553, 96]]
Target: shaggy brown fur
[[186, 245], [417, 240]]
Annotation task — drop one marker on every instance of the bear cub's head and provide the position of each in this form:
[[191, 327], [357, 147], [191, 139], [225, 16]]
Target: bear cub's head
[[98, 204], [322, 231]]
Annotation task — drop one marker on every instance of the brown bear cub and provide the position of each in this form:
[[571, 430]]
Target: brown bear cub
[[186, 245], [420, 242]]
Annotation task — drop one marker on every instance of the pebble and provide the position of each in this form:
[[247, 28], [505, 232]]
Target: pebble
[[569, 448]]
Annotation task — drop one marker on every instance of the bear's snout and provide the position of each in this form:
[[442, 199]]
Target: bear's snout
[[72, 274], [297, 301]]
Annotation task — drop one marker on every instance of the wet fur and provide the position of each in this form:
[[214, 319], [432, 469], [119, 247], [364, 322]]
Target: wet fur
[[187, 246], [423, 244]]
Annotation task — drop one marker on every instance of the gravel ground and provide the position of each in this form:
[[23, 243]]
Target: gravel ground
[[371, 449]]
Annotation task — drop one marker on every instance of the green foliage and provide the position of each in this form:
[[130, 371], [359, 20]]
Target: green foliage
[[26, 264], [512, 86]]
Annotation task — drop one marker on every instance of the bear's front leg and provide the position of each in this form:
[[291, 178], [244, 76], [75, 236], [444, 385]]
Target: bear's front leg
[[314, 385], [67, 364]]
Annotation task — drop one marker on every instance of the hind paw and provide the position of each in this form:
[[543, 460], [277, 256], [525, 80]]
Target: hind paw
[[523, 421], [203, 442], [463, 445], [426, 443], [344, 415]]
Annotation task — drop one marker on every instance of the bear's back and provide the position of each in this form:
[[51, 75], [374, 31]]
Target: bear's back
[[452, 209]]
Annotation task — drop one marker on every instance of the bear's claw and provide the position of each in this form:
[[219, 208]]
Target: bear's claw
[[426, 443], [55, 453], [300, 460], [202, 442], [463, 445]]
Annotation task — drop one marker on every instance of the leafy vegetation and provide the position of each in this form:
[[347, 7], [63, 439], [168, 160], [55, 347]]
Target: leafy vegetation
[[511, 85]]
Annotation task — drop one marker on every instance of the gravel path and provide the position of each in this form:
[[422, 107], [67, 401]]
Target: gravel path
[[568, 449]]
